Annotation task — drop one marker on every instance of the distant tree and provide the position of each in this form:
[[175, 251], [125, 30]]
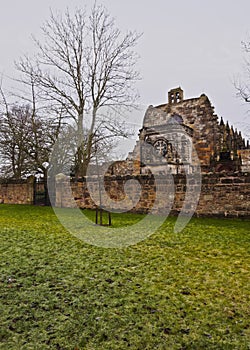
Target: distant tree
[[26, 140], [84, 65], [64, 155], [13, 138], [243, 85]]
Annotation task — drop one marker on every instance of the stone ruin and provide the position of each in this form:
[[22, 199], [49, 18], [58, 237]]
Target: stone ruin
[[180, 128], [188, 136]]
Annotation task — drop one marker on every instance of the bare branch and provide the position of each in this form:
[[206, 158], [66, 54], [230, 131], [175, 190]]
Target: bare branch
[[83, 64]]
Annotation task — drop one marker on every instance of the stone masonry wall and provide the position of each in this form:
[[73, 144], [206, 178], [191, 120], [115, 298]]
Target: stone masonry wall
[[222, 194], [245, 158], [198, 114], [225, 195], [17, 192]]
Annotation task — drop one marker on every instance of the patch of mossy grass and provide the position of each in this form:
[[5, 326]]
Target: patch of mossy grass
[[171, 291]]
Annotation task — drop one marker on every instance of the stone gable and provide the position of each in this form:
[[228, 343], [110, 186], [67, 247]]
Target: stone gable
[[219, 147]]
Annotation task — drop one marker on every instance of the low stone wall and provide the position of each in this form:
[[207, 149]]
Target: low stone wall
[[17, 191], [225, 195], [222, 194]]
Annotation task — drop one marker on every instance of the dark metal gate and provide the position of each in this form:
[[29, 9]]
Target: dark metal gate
[[41, 196]]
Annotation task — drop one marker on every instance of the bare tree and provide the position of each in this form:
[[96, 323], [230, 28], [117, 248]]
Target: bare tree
[[26, 139], [12, 140], [84, 65], [243, 86]]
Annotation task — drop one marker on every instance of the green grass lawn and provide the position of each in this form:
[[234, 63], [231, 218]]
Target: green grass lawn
[[172, 291]]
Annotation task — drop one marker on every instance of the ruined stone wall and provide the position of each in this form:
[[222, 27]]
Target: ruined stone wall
[[17, 192], [214, 141], [245, 159], [222, 194], [198, 114]]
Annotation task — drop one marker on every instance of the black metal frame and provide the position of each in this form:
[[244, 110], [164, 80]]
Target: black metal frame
[[99, 217], [40, 197]]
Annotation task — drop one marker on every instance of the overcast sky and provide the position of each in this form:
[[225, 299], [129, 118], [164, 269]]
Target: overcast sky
[[193, 44]]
